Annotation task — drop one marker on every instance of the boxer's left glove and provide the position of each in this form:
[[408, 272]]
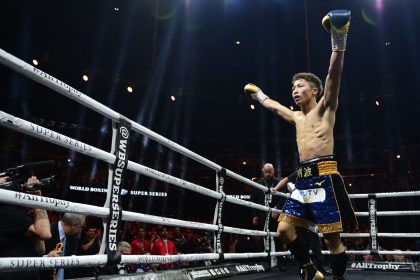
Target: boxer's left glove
[[255, 93], [337, 22]]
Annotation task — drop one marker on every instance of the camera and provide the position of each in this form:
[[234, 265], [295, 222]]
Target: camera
[[18, 176]]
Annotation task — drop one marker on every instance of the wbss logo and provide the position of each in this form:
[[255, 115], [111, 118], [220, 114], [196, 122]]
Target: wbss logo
[[221, 181], [124, 132]]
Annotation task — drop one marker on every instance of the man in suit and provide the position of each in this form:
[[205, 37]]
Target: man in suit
[[66, 231]]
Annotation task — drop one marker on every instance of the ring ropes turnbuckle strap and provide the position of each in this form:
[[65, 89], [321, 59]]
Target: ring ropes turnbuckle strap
[[218, 212], [372, 206], [65, 206], [121, 148], [267, 200]]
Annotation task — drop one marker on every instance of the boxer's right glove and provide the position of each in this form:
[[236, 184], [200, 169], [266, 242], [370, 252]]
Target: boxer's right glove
[[337, 23], [255, 93]]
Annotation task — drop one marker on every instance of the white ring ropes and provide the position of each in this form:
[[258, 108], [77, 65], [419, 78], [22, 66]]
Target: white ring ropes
[[23, 199]]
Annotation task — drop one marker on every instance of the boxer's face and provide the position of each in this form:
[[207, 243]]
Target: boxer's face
[[303, 91]]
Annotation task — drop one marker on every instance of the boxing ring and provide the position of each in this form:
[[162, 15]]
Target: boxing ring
[[112, 213]]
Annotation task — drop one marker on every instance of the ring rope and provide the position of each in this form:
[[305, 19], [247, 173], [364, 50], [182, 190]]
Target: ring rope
[[11, 264], [383, 234], [390, 213], [386, 194], [368, 252], [359, 252], [31, 263]]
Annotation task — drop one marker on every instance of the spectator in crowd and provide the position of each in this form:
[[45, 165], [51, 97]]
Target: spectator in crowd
[[188, 245], [91, 241], [163, 246], [178, 238], [140, 244], [89, 245]]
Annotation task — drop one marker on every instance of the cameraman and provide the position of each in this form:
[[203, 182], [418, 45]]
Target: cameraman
[[22, 235]]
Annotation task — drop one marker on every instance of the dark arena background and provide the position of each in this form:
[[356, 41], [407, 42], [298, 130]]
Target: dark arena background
[[178, 68]]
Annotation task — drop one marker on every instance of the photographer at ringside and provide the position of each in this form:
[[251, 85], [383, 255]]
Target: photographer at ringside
[[23, 231]]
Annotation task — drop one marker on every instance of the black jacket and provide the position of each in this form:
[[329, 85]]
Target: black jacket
[[71, 249]]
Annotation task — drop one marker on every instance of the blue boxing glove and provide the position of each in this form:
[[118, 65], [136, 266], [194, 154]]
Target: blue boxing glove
[[337, 22]]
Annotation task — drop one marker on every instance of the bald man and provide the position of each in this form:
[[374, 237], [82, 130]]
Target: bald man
[[258, 217], [270, 181]]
